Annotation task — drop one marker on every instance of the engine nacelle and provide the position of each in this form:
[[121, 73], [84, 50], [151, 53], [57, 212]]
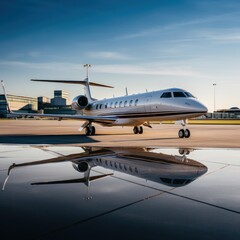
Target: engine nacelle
[[80, 102], [81, 166]]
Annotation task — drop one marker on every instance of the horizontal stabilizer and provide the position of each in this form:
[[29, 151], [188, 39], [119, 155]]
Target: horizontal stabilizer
[[80, 180], [82, 82]]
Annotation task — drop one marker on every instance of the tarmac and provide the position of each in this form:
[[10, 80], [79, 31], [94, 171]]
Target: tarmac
[[160, 135], [54, 185]]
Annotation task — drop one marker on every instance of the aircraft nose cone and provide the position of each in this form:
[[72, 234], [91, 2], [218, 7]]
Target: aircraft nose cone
[[197, 106], [203, 108]]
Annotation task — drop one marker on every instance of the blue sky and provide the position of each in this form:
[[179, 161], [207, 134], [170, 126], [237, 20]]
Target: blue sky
[[140, 44]]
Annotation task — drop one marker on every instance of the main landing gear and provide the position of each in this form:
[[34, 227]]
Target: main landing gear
[[90, 130], [138, 130]]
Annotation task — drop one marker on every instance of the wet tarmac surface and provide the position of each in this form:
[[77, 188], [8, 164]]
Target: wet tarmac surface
[[71, 192]]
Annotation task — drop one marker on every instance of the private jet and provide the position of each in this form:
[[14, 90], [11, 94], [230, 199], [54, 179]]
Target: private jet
[[146, 163], [136, 110]]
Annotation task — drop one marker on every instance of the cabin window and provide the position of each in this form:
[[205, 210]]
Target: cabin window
[[120, 104], [97, 106], [166, 95], [178, 94], [125, 103], [111, 105], [116, 104], [130, 103], [136, 102], [106, 106], [100, 107]]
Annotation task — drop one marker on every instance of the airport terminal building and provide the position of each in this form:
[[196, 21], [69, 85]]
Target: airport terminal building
[[23, 103]]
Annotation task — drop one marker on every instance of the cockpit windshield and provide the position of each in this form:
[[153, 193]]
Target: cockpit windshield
[[188, 94], [179, 94], [166, 95], [182, 94]]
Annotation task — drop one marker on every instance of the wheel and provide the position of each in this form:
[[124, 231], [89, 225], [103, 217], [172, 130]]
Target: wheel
[[140, 129], [181, 151], [181, 133], [187, 133], [87, 131], [135, 130], [93, 130]]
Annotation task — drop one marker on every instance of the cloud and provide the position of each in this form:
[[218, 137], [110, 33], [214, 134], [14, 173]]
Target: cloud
[[147, 69], [156, 30], [44, 66], [108, 55], [223, 35], [154, 68]]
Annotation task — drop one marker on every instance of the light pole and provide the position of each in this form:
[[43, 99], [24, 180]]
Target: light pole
[[214, 97]]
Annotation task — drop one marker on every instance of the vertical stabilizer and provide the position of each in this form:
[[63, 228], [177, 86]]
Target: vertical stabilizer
[[84, 82], [5, 94], [87, 90]]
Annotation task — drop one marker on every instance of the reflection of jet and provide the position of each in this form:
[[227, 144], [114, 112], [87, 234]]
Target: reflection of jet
[[144, 163], [131, 110]]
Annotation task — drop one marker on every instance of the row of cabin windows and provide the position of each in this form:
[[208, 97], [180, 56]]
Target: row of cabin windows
[[176, 94], [117, 104], [117, 165]]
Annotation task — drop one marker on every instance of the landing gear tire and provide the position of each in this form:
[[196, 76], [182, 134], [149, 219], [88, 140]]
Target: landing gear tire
[[93, 130], [135, 130], [87, 131], [90, 130], [187, 133], [184, 133], [181, 133], [140, 130]]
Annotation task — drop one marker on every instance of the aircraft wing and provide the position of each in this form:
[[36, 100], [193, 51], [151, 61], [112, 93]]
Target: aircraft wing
[[97, 119]]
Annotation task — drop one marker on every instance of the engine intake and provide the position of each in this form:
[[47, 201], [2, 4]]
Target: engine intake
[[80, 102], [81, 166]]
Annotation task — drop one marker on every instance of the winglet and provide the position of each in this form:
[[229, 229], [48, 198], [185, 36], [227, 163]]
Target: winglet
[[4, 92]]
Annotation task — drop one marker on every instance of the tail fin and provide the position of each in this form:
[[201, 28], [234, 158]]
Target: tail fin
[[4, 92], [84, 82]]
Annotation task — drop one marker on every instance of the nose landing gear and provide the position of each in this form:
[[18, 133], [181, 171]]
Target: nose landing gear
[[184, 132]]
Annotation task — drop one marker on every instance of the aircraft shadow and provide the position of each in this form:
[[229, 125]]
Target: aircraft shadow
[[146, 139], [45, 139]]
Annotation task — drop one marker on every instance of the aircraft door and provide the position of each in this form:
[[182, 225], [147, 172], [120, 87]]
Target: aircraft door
[[148, 104]]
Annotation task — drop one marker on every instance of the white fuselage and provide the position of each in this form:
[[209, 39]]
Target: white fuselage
[[176, 104]]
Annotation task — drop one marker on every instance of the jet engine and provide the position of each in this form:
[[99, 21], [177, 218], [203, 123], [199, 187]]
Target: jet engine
[[81, 166], [80, 102]]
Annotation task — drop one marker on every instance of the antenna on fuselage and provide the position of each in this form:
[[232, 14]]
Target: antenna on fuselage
[[126, 91]]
